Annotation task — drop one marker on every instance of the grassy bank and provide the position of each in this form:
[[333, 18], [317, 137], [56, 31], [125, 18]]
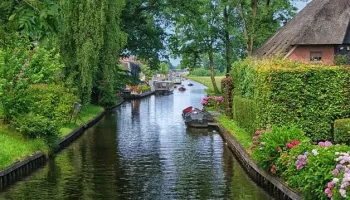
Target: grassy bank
[[243, 137], [14, 147], [87, 113], [205, 80]]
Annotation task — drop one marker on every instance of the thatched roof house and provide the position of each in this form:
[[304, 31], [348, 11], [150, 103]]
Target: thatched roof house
[[319, 32]]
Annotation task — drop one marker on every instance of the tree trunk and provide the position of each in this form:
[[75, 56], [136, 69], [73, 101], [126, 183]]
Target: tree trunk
[[245, 28], [252, 35], [211, 63], [227, 40]]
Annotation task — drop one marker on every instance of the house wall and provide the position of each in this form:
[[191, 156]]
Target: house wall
[[302, 53]]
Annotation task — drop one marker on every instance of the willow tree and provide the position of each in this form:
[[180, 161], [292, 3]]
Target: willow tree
[[91, 40]]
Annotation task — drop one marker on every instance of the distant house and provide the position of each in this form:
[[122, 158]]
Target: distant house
[[132, 65], [318, 33]]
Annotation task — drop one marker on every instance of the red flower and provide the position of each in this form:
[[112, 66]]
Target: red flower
[[295, 142], [289, 145], [273, 169]]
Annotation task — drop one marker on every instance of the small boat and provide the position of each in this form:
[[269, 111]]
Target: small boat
[[182, 88], [175, 86], [196, 118], [190, 84]]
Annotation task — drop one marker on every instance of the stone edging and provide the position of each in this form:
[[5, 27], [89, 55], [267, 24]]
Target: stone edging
[[23, 168], [273, 185]]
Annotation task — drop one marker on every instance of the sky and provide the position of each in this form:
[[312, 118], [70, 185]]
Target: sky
[[299, 5]]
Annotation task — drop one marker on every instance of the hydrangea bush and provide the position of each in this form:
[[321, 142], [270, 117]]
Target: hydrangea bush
[[212, 101]]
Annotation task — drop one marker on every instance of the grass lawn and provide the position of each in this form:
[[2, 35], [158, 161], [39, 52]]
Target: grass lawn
[[206, 80], [243, 137], [87, 113], [14, 147]]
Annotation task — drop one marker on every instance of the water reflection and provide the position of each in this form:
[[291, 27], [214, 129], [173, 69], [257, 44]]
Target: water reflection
[[143, 151]]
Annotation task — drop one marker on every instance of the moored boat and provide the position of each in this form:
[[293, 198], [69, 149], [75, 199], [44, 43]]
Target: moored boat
[[196, 118], [182, 88]]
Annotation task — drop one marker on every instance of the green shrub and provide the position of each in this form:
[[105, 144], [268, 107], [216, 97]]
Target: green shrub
[[313, 177], [243, 75], [291, 93], [342, 131], [341, 59], [268, 145], [52, 101], [205, 72], [227, 90], [244, 113], [143, 88], [35, 126]]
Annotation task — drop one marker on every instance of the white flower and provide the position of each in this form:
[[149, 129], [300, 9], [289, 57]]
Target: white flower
[[314, 151], [336, 153], [335, 180]]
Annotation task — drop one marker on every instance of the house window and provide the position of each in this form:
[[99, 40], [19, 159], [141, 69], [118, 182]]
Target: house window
[[315, 55]]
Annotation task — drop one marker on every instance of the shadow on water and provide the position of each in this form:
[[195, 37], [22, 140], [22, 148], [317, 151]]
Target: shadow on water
[[143, 150]]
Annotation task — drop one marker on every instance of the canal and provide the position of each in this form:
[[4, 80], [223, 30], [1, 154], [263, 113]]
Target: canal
[[143, 150]]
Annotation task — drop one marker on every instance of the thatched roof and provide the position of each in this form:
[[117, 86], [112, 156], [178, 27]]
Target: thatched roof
[[320, 22]]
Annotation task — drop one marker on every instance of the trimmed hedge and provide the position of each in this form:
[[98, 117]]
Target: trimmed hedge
[[244, 113], [291, 93], [342, 131], [227, 89]]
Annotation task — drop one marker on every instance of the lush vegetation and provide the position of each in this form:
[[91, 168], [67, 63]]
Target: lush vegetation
[[298, 109], [207, 82], [342, 131], [214, 102], [242, 136], [87, 113], [291, 93], [15, 147]]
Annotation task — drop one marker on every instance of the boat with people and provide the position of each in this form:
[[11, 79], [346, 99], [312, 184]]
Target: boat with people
[[190, 84], [197, 118]]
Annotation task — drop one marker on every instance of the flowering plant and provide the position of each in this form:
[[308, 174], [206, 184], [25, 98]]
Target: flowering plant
[[212, 101], [269, 145]]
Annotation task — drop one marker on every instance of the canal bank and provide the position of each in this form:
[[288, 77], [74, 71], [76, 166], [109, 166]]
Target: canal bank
[[273, 185], [23, 168], [142, 150]]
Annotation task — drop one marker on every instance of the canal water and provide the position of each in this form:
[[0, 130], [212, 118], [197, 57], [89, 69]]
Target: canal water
[[143, 150]]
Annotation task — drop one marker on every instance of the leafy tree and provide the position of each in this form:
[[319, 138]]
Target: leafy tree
[[143, 21], [36, 19], [91, 41], [197, 30], [263, 15]]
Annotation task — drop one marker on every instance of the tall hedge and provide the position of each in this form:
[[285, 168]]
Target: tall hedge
[[244, 113], [291, 93]]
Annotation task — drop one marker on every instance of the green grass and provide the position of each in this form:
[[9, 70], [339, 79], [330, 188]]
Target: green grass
[[87, 113], [243, 137], [14, 147], [206, 80]]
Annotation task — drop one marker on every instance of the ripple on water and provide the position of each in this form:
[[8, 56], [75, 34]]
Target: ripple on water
[[143, 151]]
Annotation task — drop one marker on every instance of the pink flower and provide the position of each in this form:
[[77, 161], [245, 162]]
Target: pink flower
[[321, 144], [295, 142], [335, 172], [327, 190], [273, 169], [330, 185]]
